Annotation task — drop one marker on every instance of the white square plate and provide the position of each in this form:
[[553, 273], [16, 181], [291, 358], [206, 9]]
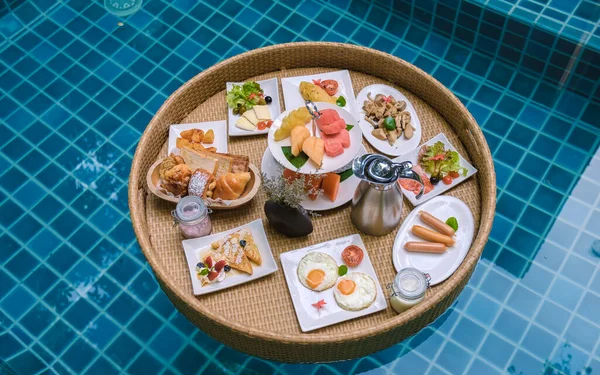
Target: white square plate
[[195, 247], [270, 88], [308, 316], [219, 127], [291, 90], [438, 189]]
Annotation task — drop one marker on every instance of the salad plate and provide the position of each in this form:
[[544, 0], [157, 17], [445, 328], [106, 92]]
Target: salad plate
[[270, 88], [438, 266], [218, 127], [329, 163], [272, 169], [304, 299], [293, 98], [440, 166], [402, 145]]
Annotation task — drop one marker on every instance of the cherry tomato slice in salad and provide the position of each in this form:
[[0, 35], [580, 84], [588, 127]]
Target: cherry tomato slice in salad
[[261, 125], [447, 180], [269, 123], [453, 174], [330, 86]]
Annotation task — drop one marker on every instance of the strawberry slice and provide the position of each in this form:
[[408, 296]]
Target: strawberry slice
[[219, 265], [212, 275], [208, 262]]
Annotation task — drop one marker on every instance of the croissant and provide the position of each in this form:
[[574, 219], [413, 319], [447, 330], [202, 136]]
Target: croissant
[[231, 185]]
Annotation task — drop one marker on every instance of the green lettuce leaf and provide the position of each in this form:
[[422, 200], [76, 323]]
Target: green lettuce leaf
[[240, 94], [438, 162]]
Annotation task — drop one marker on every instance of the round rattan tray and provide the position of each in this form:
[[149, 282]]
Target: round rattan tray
[[258, 317]]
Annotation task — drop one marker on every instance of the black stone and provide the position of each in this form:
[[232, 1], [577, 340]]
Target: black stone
[[288, 221]]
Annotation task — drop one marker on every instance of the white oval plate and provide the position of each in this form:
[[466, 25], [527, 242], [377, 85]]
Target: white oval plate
[[402, 145], [271, 168], [438, 266], [329, 164]]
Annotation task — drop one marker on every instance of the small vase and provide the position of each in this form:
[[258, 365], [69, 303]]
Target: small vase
[[292, 222]]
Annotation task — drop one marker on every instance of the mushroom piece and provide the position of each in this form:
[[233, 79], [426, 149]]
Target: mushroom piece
[[392, 137], [408, 131], [401, 105], [370, 121], [379, 134]]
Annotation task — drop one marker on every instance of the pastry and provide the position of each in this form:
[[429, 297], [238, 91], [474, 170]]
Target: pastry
[[181, 143], [231, 250], [250, 247], [174, 175], [209, 136], [231, 185], [196, 160], [193, 135], [200, 182]]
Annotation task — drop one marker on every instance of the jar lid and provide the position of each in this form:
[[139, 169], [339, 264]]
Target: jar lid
[[411, 283], [190, 210]]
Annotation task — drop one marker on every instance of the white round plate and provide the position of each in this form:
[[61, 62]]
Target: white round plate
[[402, 145], [329, 164], [271, 168], [438, 266]]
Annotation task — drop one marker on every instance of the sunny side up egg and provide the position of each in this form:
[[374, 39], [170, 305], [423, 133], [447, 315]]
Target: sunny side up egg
[[317, 271], [355, 291]]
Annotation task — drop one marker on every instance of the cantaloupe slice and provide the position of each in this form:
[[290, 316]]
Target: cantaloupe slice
[[290, 175], [312, 185], [315, 149], [331, 185], [298, 136]]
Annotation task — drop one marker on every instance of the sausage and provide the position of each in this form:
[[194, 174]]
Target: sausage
[[431, 235], [436, 223], [425, 247]]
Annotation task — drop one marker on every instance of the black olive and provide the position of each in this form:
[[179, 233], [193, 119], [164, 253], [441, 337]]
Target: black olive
[[227, 268], [268, 99], [434, 180]]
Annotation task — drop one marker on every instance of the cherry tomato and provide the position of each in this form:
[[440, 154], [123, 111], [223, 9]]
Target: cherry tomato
[[447, 180], [453, 174], [330, 86], [261, 125], [269, 123], [317, 82]]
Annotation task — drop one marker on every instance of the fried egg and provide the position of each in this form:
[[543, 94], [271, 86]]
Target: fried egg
[[317, 271], [355, 291]]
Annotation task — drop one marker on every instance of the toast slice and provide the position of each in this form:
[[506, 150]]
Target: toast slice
[[195, 160]]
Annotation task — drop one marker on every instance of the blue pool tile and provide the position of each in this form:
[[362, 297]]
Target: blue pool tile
[[482, 309], [496, 350], [524, 301], [81, 314], [38, 319], [565, 293], [509, 206], [124, 269], [58, 337], [583, 334], [123, 308], [123, 349], [144, 364], [21, 264], [547, 199], [509, 154], [523, 242], [167, 342], [512, 262], [510, 325], [101, 331], [144, 285], [79, 355], [468, 333], [578, 270], [26, 363], [60, 297], [539, 342], [480, 367], [553, 317], [41, 280], [537, 278], [145, 325]]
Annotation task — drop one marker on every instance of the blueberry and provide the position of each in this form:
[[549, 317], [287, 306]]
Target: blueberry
[[227, 268], [200, 265], [268, 99], [243, 243]]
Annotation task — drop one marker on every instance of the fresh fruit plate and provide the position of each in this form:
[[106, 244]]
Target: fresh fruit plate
[[399, 109], [308, 151], [319, 267], [219, 129], [256, 115], [226, 274], [439, 265], [348, 183], [440, 166], [337, 87]]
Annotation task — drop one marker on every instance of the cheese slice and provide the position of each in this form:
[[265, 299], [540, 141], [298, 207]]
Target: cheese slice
[[251, 116], [262, 112], [244, 124]]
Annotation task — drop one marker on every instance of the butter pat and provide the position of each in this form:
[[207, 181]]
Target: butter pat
[[262, 112], [245, 124], [251, 116]]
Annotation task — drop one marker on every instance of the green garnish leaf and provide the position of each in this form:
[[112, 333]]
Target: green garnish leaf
[[453, 223], [349, 127], [297, 161], [240, 95], [345, 175], [203, 272], [343, 270], [341, 101]]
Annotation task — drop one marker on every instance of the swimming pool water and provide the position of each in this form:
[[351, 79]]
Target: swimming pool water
[[78, 85]]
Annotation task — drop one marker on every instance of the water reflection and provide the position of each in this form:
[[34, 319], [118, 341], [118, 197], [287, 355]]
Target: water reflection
[[122, 8]]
